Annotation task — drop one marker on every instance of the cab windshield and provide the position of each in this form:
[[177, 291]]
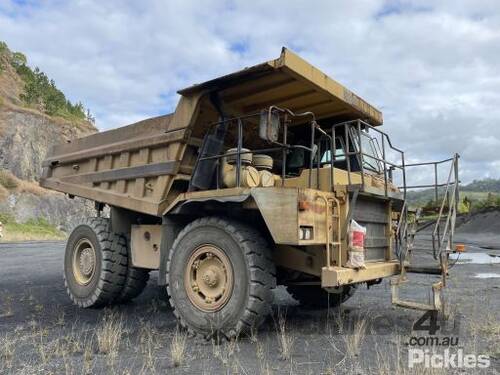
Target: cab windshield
[[371, 151]]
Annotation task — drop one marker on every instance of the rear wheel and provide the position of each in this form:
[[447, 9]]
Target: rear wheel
[[136, 279], [219, 277], [316, 297], [94, 272]]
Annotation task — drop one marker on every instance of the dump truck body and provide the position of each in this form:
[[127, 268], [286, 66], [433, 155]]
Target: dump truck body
[[256, 178], [135, 167]]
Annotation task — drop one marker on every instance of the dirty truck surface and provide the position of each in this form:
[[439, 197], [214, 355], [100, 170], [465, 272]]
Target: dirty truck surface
[[41, 331]]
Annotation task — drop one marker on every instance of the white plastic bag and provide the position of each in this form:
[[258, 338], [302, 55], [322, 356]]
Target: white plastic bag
[[357, 234]]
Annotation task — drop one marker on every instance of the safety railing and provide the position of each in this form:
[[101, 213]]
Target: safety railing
[[444, 228], [352, 134], [220, 129]]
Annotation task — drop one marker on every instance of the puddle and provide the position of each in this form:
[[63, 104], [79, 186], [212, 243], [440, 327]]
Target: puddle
[[490, 247], [487, 275], [476, 258]]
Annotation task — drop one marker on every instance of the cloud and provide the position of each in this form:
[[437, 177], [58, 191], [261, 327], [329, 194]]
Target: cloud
[[432, 67]]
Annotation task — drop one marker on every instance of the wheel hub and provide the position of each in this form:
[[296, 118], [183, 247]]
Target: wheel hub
[[84, 261], [87, 261], [209, 278]]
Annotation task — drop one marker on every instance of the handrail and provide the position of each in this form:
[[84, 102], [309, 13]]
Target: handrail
[[450, 197], [353, 131], [282, 146]]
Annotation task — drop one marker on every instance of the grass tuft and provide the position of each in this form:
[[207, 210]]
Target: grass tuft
[[178, 348], [109, 334], [286, 339]]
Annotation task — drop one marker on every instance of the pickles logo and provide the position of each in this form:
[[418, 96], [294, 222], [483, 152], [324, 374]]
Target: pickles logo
[[447, 360]]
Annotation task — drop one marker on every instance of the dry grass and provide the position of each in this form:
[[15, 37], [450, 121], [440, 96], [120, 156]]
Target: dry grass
[[490, 326], [88, 344], [44, 349], [6, 306], [9, 182], [225, 353], [285, 338], [387, 364], [486, 330], [148, 344], [4, 193], [7, 351], [354, 339], [61, 319], [109, 334], [178, 348], [262, 354], [32, 188]]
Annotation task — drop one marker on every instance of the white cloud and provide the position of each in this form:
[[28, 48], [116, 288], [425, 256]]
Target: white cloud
[[433, 67]]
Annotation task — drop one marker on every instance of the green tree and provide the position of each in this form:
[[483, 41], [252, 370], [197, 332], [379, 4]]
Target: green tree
[[19, 59], [42, 92]]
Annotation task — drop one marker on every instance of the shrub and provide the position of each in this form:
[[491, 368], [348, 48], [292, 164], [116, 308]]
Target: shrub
[[6, 218], [7, 180], [3, 47]]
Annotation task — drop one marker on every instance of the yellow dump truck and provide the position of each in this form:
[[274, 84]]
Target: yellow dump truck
[[275, 174]]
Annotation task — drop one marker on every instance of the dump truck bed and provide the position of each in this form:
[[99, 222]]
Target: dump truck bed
[[144, 166]]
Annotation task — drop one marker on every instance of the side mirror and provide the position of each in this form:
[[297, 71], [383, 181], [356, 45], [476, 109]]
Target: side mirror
[[269, 125]]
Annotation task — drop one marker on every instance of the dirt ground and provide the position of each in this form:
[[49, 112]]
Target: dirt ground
[[42, 332]]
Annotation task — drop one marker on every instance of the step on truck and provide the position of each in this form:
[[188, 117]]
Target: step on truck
[[275, 174]]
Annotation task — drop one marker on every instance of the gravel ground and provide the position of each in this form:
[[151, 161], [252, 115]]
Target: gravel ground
[[42, 332]]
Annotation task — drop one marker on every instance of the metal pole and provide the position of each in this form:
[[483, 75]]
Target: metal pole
[[436, 182], [311, 159], [332, 157], [457, 197], [385, 165], [438, 223], [404, 174], [348, 157], [238, 156], [285, 150], [361, 156], [318, 153]]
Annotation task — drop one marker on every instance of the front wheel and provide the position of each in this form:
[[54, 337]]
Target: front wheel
[[219, 277]]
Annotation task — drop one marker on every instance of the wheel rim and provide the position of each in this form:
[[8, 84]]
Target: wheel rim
[[209, 278], [84, 261]]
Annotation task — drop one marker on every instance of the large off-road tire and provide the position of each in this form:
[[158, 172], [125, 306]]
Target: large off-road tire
[[136, 279], [94, 270], [219, 278], [314, 297]]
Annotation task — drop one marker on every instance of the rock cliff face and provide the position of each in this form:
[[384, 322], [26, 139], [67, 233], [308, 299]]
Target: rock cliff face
[[57, 209], [26, 135]]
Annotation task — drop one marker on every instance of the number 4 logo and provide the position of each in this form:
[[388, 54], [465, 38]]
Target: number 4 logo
[[432, 327]]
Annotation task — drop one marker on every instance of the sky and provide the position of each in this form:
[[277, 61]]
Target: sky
[[431, 67]]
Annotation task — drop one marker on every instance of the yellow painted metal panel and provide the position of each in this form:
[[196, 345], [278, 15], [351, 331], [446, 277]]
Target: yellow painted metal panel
[[289, 81]]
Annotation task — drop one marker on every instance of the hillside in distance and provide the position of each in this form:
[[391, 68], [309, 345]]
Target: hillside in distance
[[476, 191]]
